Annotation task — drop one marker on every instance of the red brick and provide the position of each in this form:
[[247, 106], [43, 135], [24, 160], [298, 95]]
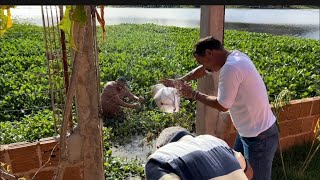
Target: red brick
[[306, 105], [46, 150], [282, 116], [2, 153], [294, 109], [308, 137], [283, 111], [23, 157], [284, 129], [287, 143], [300, 139], [307, 124], [43, 175], [2, 159], [72, 173], [295, 127], [316, 106]]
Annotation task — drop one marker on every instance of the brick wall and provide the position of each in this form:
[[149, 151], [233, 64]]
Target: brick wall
[[297, 122], [25, 159]]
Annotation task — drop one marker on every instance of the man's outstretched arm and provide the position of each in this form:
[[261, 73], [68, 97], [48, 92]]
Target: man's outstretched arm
[[131, 96], [196, 73]]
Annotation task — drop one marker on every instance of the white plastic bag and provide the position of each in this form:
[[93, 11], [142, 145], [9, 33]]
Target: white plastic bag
[[166, 98]]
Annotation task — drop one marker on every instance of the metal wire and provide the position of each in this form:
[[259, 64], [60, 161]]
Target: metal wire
[[22, 110], [47, 35], [29, 93], [56, 76], [30, 72]]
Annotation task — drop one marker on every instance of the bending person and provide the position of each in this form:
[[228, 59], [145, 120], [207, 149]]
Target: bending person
[[180, 155], [112, 99]]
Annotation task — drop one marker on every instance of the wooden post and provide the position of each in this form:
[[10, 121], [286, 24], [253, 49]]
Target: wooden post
[[209, 120], [88, 106]]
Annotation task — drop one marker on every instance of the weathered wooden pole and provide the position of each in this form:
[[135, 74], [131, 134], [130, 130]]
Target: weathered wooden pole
[[209, 120], [87, 99], [82, 151]]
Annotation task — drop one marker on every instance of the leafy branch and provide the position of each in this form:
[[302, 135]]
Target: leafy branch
[[78, 14]]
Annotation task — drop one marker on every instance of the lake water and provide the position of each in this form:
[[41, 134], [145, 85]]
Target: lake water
[[296, 22]]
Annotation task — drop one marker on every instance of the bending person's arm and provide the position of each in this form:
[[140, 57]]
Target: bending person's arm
[[245, 166], [124, 104], [129, 94]]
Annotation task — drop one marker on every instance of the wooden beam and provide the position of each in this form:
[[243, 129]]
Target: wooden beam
[[209, 120], [212, 22]]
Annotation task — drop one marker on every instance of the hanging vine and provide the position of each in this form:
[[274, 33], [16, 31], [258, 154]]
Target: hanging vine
[[78, 14], [100, 19], [5, 19]]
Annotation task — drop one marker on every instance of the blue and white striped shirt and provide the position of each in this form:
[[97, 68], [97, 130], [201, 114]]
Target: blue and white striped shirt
[[195, 158]]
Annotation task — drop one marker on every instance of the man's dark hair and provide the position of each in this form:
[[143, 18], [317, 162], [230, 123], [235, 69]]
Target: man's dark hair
[[122, 80], [206, 43]]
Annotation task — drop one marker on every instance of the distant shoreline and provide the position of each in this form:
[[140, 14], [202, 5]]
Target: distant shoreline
[[229, 6]]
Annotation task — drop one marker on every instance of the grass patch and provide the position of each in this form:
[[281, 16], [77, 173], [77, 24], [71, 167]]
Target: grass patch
[[293, 159]]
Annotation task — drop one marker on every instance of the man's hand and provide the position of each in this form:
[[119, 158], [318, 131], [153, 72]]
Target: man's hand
[[185, 90], [141, 99], [171, 82]]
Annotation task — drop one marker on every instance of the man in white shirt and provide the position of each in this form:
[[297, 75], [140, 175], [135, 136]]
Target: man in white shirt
[[241, 90]]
